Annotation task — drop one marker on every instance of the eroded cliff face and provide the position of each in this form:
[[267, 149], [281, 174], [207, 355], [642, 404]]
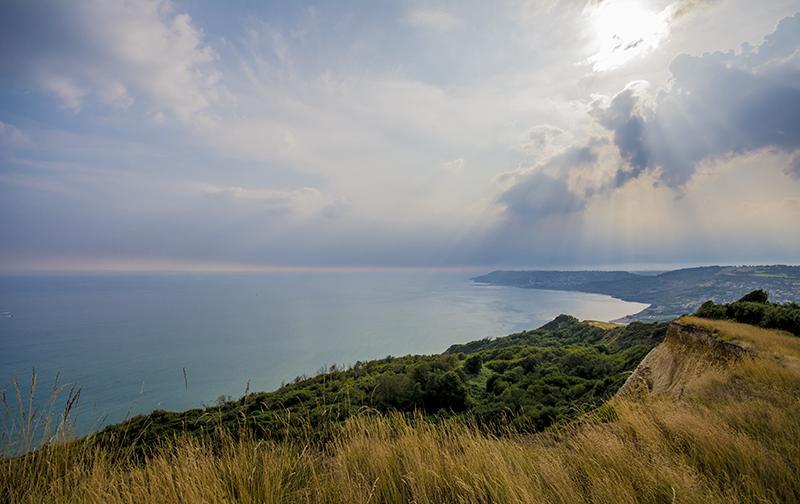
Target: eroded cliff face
[[686, 352]]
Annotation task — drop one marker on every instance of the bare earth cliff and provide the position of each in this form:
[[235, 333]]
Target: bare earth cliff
[[688, 350]]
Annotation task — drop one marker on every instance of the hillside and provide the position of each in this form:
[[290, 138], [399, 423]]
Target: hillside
[[670, 294], [712, 419], [525, 381]]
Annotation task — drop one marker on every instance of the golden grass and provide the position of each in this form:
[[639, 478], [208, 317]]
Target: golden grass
[[764, 340], [603, 325], [733, 438]]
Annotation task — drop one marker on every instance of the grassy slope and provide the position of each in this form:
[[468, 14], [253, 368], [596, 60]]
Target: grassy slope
[[730, 437]]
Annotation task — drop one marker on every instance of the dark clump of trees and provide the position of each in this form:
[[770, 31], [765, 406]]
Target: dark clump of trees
[[428, 386], [754, 308]]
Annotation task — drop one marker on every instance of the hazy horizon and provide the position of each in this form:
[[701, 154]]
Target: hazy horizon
[[192, 136], [126, 268]]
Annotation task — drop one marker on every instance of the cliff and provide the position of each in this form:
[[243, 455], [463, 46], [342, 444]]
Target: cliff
[[688, 350]]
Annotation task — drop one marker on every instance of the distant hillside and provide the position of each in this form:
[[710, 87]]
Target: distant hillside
[[670, 294]]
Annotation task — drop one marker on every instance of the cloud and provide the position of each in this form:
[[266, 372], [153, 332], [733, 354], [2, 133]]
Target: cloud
[[717, 104], [115, 94], [67, 90], [545, 190], [538, 194], [436, 19], [794, 167], [11, 136], [372, 135], [113, 51], [453, 165], [623, 116], [543, 139], [731, 212], [684, 8], [303, 202]]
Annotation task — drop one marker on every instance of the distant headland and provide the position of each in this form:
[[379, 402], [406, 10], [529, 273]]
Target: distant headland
[[670, 294]]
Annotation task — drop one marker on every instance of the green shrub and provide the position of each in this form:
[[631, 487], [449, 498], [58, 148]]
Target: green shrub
[[398, 391], [756, 296], [754, 309], [473, 364]]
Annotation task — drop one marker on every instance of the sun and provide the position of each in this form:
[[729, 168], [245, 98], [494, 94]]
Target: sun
[[624, 30]]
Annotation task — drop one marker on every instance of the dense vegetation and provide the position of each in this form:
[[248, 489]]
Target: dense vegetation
[[525, 381], [755, 309], [669, 294]]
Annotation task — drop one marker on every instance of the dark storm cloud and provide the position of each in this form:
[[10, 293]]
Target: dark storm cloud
[[538, 194], [718, 104], [543, 190]]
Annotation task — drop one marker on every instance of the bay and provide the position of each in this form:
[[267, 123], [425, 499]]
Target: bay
[[126, 340]]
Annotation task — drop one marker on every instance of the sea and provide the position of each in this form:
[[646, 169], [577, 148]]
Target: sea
[[135, 343]]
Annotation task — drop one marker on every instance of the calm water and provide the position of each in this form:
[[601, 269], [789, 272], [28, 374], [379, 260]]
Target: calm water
[[125, 339]]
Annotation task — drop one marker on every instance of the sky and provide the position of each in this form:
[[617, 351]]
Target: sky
[[234, 136]]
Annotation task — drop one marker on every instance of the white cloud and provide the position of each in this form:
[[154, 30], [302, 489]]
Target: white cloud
[[65, 89], [117, 52], [11, 136], [163, 57], [115, 94], [303, 202], [793, 167], [453, 165], [436, 19], [545, 140]]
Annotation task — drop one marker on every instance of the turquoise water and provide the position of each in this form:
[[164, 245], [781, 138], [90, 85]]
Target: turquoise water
[[125, 340]]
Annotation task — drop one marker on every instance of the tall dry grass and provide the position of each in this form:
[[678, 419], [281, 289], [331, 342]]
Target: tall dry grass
[[731, 438]]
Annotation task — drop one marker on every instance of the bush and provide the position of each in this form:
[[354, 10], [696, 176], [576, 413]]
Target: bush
[[473, 365], [757, 296], [754, 309], [398, 391], [443, 390], [710, 310], [747, 312]]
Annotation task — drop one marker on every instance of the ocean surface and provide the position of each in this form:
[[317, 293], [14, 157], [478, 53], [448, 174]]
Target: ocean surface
[[125, 340]]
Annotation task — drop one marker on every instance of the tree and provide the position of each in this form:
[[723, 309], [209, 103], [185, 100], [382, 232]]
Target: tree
[[441, 389]]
